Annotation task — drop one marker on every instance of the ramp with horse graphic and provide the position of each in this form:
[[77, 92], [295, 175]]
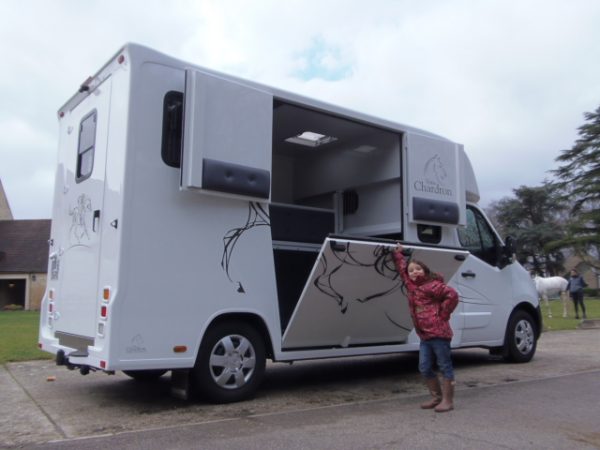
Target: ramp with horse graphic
[[354, 296]]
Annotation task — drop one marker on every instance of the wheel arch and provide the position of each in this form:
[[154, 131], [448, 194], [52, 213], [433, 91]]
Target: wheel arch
[[533, 311], [253, 319]]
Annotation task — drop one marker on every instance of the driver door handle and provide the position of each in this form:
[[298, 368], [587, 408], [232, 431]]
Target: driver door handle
[[468, 274]]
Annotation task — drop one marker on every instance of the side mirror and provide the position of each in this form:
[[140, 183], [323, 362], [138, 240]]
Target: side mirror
[[509, 250]]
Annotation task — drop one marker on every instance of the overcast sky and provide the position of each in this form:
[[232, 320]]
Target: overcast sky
[[509, 79]]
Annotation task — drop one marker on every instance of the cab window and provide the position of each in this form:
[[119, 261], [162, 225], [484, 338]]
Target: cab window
[[478, 237]]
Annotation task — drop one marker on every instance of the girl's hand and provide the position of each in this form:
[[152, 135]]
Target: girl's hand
[[398, 248]]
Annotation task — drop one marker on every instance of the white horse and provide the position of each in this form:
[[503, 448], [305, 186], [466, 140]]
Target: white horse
[[552, 286]]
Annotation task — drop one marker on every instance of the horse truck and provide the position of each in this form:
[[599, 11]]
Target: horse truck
[[203, 224]]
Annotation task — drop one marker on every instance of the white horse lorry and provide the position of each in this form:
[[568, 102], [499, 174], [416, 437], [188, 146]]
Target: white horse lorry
[[203, 224]]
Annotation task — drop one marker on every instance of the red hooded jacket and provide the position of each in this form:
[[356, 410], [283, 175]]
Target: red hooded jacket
[[430, 301]]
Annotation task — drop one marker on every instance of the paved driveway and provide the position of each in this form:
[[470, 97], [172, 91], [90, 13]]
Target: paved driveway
[[35, 410]]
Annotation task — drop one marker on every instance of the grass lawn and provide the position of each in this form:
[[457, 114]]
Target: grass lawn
[[557, 322], [19, 336], [19, 329]]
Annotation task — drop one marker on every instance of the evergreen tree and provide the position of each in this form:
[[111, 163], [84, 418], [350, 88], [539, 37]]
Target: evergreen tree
[[579, 177], [534, 218]]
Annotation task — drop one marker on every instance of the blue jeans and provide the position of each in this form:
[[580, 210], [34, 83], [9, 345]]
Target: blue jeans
[[438, 351]]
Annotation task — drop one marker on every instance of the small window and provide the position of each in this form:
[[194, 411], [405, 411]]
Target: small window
[[430, 234], [172, 128], [86, 146]]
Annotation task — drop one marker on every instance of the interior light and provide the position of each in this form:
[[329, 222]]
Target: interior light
[[364, 149], [311, 139]]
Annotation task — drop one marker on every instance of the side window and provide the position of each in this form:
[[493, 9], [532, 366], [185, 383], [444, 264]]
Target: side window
[[172, 128], [86, 146], [478, 238], [431, 234]]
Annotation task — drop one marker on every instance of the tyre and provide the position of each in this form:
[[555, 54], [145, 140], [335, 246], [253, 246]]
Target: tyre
[[230, 364], [145, 375], [521, 338]]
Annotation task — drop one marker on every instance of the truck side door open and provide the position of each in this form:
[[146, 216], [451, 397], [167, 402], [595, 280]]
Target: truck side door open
[[227, 138], [354, 296]]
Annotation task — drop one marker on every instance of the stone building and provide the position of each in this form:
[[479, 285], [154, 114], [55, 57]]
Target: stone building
[[23, 259], [5, 213]]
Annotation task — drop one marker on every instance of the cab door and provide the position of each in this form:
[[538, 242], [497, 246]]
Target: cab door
[[354, 295], [484, 286]]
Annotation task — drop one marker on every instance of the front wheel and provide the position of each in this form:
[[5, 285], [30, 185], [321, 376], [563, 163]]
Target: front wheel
[[230, 364], [521, 341]]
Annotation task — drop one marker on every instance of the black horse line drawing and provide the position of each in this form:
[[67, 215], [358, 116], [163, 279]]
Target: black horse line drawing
[[257, 217], [382, 264]]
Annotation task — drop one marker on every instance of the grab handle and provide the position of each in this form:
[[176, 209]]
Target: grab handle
[[96, 220], [337, 247]]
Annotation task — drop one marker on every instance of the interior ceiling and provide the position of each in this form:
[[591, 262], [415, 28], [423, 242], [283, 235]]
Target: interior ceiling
[[290, 120]]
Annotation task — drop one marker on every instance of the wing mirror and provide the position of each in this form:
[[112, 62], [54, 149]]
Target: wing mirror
[[509, 250]]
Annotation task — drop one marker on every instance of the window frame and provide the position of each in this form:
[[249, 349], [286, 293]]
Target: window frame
[[172, 129], [489, 254], [82, 139]]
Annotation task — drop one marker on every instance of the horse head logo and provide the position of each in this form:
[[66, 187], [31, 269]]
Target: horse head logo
[[435, 172]]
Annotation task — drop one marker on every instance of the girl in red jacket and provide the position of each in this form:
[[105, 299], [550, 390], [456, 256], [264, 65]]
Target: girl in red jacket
[[430, 302]]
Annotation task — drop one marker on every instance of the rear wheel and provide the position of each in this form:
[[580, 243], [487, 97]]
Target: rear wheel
[[521, 341], [230, 364], [145, 375]]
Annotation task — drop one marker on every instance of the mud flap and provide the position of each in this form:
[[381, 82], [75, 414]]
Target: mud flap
[[354, 296]]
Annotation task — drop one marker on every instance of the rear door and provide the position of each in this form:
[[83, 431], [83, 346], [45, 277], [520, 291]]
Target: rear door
[[354, 296], [84, 133]]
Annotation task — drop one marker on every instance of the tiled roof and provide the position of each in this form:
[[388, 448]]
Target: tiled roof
[[24, 246]]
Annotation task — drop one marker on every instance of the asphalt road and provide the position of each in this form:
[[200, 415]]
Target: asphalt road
[[552, 402]]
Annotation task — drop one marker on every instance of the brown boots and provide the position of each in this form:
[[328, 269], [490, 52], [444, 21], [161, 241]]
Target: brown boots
[[442, 397], [447, 396], [433, 384]]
